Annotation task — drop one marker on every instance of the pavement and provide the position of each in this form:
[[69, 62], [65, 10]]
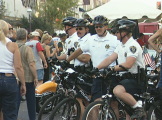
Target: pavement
[[23, 113]]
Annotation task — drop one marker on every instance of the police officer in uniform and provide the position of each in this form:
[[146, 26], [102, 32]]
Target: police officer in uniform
[[82, 28], [100, 46], [82, 61], [72, 39], [129, 55]]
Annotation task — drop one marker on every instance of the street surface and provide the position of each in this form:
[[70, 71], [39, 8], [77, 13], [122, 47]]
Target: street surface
[[23, 113]]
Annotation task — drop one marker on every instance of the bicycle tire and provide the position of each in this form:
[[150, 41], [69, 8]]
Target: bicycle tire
[[40, 101], [48, 106], [90, 114], [155, 111], [67, 109]]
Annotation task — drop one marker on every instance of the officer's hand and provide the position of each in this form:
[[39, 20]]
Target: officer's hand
[[94, 71], [64, 64], [109, 70], [71, 50]]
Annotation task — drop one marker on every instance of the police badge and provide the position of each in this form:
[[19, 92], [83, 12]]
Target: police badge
[[107, 46], [133, 49], [75, 44]]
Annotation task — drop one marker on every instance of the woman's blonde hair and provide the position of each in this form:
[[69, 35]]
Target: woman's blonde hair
[[45, 37], [3, 31]]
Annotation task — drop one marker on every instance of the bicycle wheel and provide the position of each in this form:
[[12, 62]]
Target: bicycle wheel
[[98, 111], [155, 111], [67, 109], [40, 100], [48, 106]]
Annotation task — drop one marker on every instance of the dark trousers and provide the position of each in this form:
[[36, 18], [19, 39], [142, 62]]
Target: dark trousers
[[8, 96], [30, 100]]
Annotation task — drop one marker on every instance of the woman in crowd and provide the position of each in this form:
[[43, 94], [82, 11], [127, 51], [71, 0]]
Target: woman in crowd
[[10, 61], [45, 41], [152, 40]]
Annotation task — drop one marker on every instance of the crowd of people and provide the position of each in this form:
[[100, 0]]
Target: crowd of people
[[25, 61]]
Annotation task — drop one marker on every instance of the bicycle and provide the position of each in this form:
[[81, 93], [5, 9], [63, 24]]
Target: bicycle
[[64, 80], [155, 109], [47, 89], [101, 110], [69, 108]]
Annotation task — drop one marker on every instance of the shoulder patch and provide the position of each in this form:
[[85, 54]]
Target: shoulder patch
[[133, 49], [69, 42], [125, 54]]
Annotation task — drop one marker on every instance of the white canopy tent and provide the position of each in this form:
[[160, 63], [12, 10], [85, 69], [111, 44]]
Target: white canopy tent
[[131, 9]]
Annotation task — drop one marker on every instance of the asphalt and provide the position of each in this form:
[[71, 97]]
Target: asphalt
[[23, 113]]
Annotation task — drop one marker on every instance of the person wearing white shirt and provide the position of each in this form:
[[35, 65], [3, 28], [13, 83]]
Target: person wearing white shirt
[[82, 28], [130, 59], [100, 46], [72, 39]]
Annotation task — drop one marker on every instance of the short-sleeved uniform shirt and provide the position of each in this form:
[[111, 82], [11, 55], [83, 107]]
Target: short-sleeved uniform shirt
[[70, 43], [100, 47], [81, 42], [131, 49]]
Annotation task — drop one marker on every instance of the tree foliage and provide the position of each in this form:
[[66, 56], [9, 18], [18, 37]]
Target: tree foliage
[[49, 15], [2, 9], [36, 23], [53, 11]]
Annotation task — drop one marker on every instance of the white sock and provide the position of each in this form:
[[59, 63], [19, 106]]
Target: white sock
[[138, 104]]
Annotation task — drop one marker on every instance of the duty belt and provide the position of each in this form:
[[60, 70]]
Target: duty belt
[[129, 76]]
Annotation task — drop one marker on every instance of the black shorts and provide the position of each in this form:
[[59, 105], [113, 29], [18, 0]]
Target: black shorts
[[131, 86]]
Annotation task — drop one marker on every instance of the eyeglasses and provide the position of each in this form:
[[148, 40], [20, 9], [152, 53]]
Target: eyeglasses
[[79, 28], [99, 26], [10, 28]]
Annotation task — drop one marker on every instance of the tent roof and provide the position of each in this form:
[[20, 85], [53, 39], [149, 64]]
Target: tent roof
[[132, 9]]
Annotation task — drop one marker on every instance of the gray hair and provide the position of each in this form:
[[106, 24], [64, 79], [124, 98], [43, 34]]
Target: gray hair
[[22, 34]]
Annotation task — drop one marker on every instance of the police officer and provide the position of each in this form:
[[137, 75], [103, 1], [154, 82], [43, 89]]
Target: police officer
[[100, 46], [82, 28], [82, 61], [129, 55], [72, 39]]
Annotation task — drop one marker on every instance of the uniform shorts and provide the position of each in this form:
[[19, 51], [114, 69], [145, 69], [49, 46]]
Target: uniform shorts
[[131, 86], [40, 74]]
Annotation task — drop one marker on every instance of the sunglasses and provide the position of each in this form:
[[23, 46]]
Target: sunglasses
[[79, 28], [99, 26], [10, 28]]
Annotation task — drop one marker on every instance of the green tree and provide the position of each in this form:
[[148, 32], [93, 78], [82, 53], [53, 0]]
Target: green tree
[[53, 11], [2, 9], [36, 23]]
